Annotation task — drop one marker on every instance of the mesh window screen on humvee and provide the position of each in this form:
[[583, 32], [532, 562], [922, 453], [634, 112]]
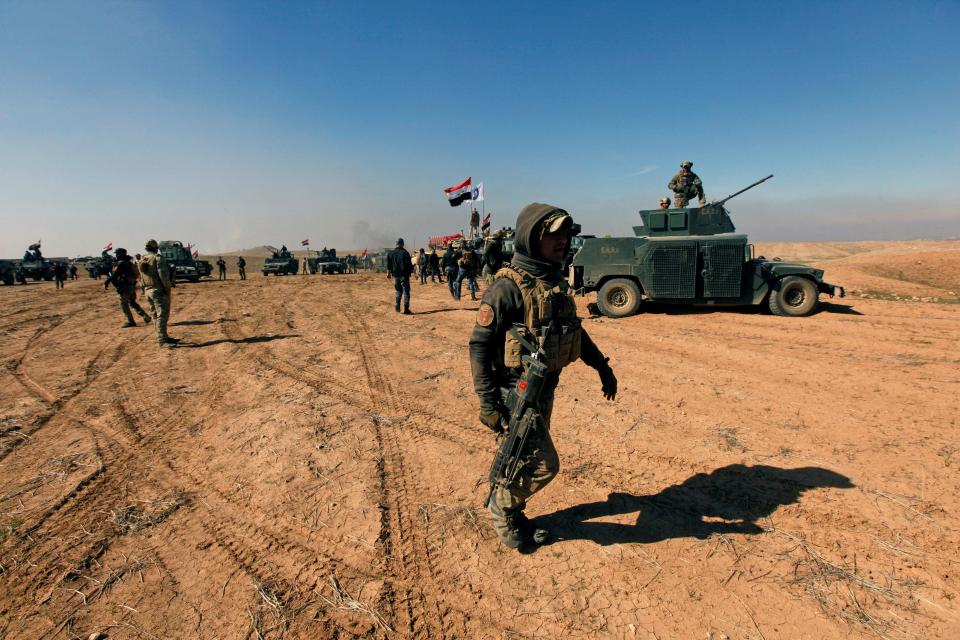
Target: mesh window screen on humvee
[[722, 264], [672, 272]]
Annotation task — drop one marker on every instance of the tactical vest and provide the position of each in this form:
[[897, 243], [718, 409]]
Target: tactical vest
[[544, 301]]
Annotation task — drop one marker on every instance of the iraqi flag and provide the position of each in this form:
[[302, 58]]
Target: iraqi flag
[[477, 194], [486, 223], [106, 248], [364, 254], [459, 194], [305, 243]]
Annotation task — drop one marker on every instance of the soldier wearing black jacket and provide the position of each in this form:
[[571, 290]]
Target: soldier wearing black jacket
[[123, 277], [529, 290], [399, 267]]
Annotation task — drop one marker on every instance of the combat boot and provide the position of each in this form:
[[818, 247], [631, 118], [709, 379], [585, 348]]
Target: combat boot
[[128, 324], [506, 525], [407, 312], [396, 307]]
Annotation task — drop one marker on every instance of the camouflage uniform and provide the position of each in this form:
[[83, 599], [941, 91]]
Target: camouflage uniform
[[155, 274], [685, 186], [532, 292], [242, 268], [124, 280]]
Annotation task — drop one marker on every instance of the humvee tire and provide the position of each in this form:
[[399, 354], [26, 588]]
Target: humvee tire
[[619, 298], [795, 297]]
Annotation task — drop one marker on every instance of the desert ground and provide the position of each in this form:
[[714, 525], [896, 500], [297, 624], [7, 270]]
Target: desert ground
[[308, 464]]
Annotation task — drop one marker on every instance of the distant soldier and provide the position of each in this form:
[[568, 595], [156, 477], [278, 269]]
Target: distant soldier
[[157, 282], [449, 264], [59, 274], [474, 224], [73, 272], [492, 257], [468, 272], [221, 269], [123, 277], [399, 267], [435, 274], [242, 268], [664, 203], [422, 265], [685, 185]]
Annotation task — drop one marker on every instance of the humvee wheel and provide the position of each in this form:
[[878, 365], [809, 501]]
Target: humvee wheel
[[194, 278], [619, 298], [796, 296]]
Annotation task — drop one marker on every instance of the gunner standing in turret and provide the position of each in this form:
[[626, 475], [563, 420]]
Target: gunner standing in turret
[[685, 185]]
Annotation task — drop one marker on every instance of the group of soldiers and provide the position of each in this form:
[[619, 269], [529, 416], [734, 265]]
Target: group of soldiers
[[152, 275]]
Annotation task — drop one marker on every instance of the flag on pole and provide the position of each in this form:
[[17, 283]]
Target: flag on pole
[[459, 194], [486, 223], [305, 243], [196, 253], [34, 246], [106, 248], [477, 194], [364, 254]]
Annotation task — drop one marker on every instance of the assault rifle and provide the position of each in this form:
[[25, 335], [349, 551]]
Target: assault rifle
[[524, 405]]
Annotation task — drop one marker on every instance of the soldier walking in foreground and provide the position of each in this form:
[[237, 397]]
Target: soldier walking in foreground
[[242, 268], [685, 185], [222, 269], [124, 277], [399, 267], [468, 272], [155, 274], [449, 263], [529, 290]]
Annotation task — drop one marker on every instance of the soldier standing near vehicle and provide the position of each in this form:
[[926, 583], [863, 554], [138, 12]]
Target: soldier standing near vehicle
[[685, 185], [157, 282], [399, 267], [435, 274], [492, 257], [242, 268], [529, 290], [73, 272], [664, 203], [221, 269], [124, 277], [468, 272], [59, 274]]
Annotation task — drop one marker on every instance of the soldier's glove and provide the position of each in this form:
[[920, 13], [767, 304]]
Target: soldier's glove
[[494, 418], [608, 381]]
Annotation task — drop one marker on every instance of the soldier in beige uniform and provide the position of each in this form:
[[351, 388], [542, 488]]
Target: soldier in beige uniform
[[155, 276]]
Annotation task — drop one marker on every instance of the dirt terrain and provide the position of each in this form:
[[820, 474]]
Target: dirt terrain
[[308, 464]]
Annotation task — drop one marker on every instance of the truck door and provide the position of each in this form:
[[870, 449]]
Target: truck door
[[672, 271], [722, 268]]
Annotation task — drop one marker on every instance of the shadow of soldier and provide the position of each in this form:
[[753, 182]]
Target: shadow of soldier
[[729, 500]]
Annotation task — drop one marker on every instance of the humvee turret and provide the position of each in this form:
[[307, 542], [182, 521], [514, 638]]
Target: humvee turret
[[692, 256]]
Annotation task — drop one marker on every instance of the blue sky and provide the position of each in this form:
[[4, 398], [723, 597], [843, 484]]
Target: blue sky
[[234, 124]]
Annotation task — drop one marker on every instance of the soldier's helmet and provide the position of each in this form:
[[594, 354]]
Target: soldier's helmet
[[664, 200], [686, 164], [151, 245]]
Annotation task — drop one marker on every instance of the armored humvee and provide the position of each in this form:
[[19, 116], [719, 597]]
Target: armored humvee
[[692, 256], [327, 262], [34, 268], [8, 273], [99, 266], [181, 261], [204, 268], [280, 263]]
